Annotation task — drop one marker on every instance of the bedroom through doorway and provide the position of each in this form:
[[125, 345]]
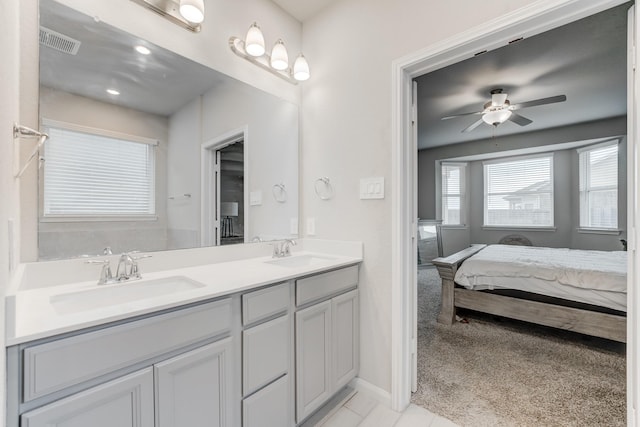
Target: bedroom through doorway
[[525, 372]]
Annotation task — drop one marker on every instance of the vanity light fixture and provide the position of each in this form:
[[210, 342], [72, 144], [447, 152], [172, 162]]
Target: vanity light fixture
[[185, 13], [252, 48], [113, 92]]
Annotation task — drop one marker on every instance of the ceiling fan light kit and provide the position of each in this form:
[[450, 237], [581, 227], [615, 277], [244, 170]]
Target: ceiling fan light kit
[[498, 110], [496, 117]]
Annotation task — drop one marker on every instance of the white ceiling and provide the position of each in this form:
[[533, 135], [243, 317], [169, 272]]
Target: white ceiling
[[160, 83], [585, 60], [303, 9]]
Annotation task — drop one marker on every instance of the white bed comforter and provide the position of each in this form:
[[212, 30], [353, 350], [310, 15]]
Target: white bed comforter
[[592, 270]]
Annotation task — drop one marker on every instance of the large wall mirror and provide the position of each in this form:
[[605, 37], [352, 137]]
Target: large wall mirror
[[151, 151]]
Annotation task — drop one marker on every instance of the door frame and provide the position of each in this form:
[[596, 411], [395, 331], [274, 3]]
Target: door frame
[[527, 21], [208, 151]]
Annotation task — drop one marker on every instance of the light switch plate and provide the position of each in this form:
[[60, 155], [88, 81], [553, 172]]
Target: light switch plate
[[311, 226], [255, 198], [372, 188]]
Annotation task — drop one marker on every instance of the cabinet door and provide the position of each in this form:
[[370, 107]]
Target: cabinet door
[[346, 338], [124, 402], [313, 358], [195, 389], [268, 407]]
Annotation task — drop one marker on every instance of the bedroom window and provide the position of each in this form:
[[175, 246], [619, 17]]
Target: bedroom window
[[91, 174], [453, 193], [518, 192], [598, 166]]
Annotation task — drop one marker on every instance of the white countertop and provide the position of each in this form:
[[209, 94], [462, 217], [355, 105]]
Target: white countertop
[[31, 315]]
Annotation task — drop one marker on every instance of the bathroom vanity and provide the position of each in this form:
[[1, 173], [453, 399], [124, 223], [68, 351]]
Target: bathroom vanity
[[261, 342]]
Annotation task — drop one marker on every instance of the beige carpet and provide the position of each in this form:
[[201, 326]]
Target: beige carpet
[[499, 372]]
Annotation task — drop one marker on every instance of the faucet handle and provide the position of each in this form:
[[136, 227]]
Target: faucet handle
[[106, 275], [135, 270], [277, 249]]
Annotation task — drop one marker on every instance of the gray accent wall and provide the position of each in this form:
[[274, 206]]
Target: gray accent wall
[[566, 196]]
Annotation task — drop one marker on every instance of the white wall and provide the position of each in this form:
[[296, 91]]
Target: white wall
[[272, 147], [347, 133], [271, 143], [9, 113], [183, 176], [58, 240]]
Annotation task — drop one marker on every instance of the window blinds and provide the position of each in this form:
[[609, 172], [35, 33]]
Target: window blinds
[[519, 192], [452, 193], [94, 175], [599, 186]]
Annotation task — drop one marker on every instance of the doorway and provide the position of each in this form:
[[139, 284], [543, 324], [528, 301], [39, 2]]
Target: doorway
[[224, 190], [522, 23]]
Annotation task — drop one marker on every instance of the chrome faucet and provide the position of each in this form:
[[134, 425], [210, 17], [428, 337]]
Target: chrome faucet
[[125, 262], [129, 265], [283, 249], [286, 246]]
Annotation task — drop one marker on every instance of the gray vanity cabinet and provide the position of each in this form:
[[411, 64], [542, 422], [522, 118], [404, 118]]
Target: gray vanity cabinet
[[184, 368], [124, 402], [267, 352], [327, 337], [194, 389]]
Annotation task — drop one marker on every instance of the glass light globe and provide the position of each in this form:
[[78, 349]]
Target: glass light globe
[[301, 69], [279, 56], [192, 10], [254, 42]]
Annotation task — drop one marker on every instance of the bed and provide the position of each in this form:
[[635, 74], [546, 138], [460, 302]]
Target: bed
[[577, 290]]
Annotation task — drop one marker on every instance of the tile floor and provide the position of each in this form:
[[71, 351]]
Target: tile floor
[[363, 411]]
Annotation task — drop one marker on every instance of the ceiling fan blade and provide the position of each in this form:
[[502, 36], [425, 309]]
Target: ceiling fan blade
[[472, 126], [542, 101], [461, 115], [518, 119]]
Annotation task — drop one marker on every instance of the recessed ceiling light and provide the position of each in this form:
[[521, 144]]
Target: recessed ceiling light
[[113, 92], [143, 50]]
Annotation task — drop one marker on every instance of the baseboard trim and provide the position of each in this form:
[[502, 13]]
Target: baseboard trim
[[382, 396]]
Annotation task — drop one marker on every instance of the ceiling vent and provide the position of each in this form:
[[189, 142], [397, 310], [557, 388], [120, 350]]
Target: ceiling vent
[[58, 41]]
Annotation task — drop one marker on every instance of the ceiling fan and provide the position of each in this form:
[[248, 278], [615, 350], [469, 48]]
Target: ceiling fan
[[499, 110]]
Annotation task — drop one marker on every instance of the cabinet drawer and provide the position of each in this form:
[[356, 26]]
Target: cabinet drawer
[[59, 364], [265, 353], [264, 303], [269, 406], [321, 286]]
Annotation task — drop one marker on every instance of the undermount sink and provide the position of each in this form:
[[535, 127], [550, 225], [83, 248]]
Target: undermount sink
[[299, 260], [120, 293]]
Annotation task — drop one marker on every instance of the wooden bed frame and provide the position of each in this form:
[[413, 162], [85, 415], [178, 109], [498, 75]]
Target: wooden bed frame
[[604, 325]]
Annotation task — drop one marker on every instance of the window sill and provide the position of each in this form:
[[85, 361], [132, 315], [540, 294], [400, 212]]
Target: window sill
[[103, 218], [517, 228], [609, 231], [454, 227]]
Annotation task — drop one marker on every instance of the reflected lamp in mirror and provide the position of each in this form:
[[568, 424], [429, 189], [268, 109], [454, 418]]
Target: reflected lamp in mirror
[[228, 210], [252, 48]]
